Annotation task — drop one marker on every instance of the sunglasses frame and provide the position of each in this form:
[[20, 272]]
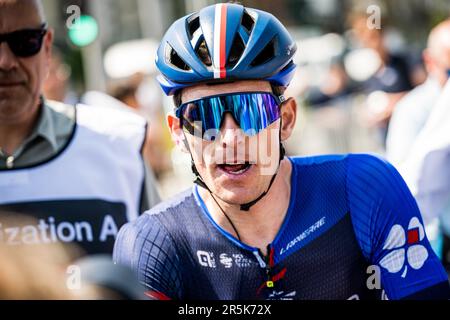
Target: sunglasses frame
[[179, 110], [6, 37]]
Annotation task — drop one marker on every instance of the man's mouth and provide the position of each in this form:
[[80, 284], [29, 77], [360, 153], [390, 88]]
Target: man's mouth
[[235, 169]]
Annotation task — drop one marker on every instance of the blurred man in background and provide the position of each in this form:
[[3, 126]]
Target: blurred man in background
[[56, 86], [78, 170], [417, 126], [392, 79], [128, 92], [414, 109]]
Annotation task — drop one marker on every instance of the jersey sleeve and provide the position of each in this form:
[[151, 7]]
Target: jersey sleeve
[[390, 231], [145, 246]]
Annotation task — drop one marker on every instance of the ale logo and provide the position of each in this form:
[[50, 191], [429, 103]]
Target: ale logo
[[405, 248]]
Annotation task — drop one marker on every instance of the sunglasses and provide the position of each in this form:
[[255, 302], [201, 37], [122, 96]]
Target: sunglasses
[[253, 112], [25, 43]]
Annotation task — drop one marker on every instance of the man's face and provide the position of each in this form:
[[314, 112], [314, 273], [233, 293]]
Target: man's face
[[21, 79], [368, 38], [438, 63], [437, 55], [235, 166]]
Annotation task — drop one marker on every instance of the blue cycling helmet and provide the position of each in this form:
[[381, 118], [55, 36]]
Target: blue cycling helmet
[[240, 44]]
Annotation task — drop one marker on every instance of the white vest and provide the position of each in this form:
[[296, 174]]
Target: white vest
[[85, 193]]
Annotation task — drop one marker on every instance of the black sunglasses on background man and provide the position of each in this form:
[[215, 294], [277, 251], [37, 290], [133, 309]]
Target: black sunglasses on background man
[[25, 43]]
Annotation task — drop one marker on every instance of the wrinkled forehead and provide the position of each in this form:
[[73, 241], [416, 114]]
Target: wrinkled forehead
[[20, 14], [207, 90]]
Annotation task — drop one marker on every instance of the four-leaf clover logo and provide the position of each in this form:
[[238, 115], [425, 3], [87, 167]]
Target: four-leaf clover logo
[[405, 246]]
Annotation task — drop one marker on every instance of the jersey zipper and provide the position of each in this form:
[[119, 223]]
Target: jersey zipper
[[269, 266], [266, 262]]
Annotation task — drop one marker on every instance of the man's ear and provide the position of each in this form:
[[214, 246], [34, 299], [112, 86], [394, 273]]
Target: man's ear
[[176, 132], [47, 48], [289, 118], [48, 43], [428, 61]]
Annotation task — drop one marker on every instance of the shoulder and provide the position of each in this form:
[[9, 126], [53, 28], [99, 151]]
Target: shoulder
[[417, 103], [351, 162], [345, 164], [150, 247], [354, 174], [370, 170], [366, 161], [165, 216], [351, 171], [180, 203], [155, 227], [59, 109], [317, 162], [111, 122], [60, 121]]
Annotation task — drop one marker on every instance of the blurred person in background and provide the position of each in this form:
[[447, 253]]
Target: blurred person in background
[[426, 171], [393, 76], [52, 272], [125, 90], [411, 117], [414, 109], [34, 272], [56, 85], [336, 85], [77, 169], [159, 144]]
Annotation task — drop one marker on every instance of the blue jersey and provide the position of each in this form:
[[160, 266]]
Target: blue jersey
[[352, 231]]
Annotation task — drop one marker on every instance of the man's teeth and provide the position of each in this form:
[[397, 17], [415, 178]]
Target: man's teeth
[[236, 168], [240, 171]]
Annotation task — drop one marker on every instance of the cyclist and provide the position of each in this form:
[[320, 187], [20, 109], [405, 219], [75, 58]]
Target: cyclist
[[257, 224]]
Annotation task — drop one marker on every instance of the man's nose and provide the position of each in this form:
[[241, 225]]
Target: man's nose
[[8, 60], [231, 133]]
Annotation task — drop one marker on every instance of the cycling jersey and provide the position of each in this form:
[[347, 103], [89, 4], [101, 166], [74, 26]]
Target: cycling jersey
[[352, 231]]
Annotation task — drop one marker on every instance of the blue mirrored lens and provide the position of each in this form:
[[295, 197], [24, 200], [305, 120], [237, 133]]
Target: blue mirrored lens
[[256, 111], [253, 112]]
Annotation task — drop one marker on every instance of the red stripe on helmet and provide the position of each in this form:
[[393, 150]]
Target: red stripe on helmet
[[223, 41]]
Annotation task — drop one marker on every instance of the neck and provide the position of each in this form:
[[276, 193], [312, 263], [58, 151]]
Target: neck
[[13, 134], [259, 226]]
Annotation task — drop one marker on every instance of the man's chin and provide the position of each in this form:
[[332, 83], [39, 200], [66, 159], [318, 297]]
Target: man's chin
[[236, 200], [235, 195], [10, 102]]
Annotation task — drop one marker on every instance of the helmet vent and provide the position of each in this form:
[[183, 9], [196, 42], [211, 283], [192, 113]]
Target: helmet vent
[[203, 53], [237, 50], [267, 54], [193, 25], [175, 60], [248, 22]]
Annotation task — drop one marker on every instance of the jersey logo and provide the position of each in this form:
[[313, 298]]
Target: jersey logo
[[226, 260], [281, 295], [405, 248], [206, 259]]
